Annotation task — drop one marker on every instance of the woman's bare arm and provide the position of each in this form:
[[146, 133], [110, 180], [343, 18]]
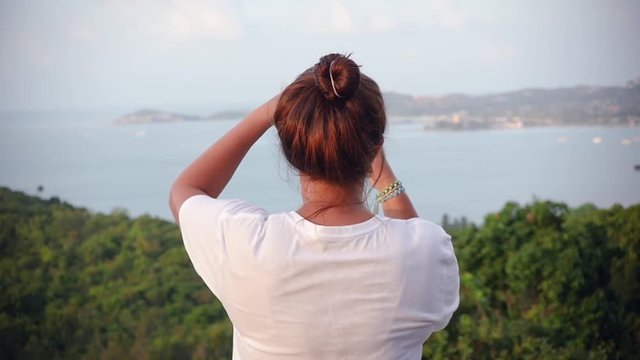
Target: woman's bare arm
[[400, 207], [211, 171]]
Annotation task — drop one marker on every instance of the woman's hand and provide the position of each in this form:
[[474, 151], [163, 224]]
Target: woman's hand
[[271, 106], [266, 111]]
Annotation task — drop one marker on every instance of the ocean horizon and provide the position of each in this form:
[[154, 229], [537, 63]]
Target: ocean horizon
[[87, 160]]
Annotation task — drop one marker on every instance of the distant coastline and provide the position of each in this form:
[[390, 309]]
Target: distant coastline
[[561, 107], [153, 116], [572, 106]]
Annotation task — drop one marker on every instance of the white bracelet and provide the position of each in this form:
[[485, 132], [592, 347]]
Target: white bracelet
[[394, 189]]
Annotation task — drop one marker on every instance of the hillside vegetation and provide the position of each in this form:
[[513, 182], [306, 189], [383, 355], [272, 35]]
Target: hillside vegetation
[[538, 281], [579, 105]]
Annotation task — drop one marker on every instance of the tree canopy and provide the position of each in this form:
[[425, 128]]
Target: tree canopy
[[544, 281], [540, 280]]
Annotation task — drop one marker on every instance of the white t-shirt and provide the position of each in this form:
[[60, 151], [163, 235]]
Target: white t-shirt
[[297, 290]]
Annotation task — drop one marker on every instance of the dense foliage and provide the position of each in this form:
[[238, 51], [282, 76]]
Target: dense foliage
[[546, 282], [538, 281], [80, 285]]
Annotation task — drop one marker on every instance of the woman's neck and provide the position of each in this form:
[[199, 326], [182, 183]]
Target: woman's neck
[[330, 204]]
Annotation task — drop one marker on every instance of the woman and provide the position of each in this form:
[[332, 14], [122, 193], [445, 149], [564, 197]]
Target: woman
[[330, 280]]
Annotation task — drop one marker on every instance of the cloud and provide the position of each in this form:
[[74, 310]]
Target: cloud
[[369, 16], [341, 21], [414, 15], [333, 18], [195, 19]]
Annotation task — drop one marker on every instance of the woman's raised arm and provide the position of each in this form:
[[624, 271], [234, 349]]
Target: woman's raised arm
[[399, 207], [211, 171]]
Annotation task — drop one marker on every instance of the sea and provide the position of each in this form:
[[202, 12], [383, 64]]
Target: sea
[[84, 158]]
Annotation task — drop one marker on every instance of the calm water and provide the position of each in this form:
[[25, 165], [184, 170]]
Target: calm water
[[88, 161]]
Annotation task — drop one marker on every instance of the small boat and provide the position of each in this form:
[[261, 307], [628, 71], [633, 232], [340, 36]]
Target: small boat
[[637, 167]]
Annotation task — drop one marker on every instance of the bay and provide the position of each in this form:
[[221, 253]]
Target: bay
[[85, 159]]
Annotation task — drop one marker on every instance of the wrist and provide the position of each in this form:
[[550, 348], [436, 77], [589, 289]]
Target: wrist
[[383, 182], [262, 116], [384, 178]]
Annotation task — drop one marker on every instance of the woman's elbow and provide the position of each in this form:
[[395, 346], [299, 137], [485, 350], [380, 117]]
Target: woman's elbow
[[179, 194]]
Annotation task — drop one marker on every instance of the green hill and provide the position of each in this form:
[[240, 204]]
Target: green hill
[[544, 281], [538, 281], [76, 284]]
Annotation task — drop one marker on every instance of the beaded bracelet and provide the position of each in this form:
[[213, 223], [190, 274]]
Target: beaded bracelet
[[391, 191]]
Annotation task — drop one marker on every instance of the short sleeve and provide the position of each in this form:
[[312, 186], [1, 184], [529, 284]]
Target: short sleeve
[[214, 231], [446, 278], [437, 278]]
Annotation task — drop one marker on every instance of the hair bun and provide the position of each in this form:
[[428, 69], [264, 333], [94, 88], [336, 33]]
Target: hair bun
[[338, 77]]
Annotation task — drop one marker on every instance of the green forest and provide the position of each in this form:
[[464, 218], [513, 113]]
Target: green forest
[[538, 281]]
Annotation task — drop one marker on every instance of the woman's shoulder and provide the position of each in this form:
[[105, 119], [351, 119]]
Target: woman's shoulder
[[420, 233], [201, 214], [209, 207], [419, 225]]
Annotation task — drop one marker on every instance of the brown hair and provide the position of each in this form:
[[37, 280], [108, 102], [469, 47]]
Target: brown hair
[[331, 121]]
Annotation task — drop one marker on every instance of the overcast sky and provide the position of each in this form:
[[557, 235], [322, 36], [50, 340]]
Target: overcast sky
[[169, 53]]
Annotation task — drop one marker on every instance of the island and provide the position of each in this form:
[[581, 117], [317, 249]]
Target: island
[[570, 106], [151, 116]]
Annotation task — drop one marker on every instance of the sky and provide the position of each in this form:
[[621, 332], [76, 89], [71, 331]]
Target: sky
[[217, 54]]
